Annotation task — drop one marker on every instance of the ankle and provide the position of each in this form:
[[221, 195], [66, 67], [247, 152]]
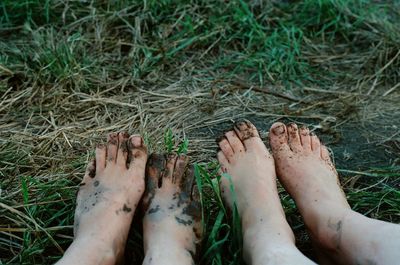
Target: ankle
[[325, 226], [90, 251], [165, 252], [270, 233], [262, 246]]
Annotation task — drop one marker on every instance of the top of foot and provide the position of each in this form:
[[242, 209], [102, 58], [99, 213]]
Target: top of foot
[[303, 164], [249, 180], [247, 162], [172, 220], [306, 171], [109, 193]]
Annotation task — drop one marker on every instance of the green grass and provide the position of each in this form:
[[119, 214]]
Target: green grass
[[71, 71], [269, 43]]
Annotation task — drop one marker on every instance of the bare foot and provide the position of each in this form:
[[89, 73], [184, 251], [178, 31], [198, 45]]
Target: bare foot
[[307, 173], [172, 223], [341, 235], [248, 167], [109, 194]]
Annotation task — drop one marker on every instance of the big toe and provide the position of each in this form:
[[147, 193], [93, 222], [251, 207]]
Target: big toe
[[137, 152], [154, 172], [278, 138], [248, 134]]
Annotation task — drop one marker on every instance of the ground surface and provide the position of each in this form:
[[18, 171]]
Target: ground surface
[[70, 72]]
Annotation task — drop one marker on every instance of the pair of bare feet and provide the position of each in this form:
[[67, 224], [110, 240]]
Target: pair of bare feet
[[113, 186], [111, 191]]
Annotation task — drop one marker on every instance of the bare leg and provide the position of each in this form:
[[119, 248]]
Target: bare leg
[[107, 199], [344, 236], [172, 221], [267, 237]]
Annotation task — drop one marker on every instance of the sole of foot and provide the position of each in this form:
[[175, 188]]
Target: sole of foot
[[249, 182], [306, 171], [108, 196], [172, 228]]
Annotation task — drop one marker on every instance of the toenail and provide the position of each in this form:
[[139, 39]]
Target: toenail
[[113, 139], [278, 130], [230, 133], [172, 157], [136, 141], [304, 131], [248, 123], [182, 157], [293, 126], [240, 124], [101, 146], [220, 138], [124, 134]]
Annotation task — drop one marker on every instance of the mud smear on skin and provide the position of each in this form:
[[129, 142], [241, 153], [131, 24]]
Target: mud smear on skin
[[186, 199]]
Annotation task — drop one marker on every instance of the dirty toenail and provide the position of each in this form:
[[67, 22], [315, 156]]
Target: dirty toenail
[[101, 146], [248, 123], [240, 124], [113, 139], [278, 130], [182, 157], [220, 138], [124, 134], [293, 126], [304, 130]]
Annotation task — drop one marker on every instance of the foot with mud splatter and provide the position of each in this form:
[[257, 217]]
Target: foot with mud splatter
[[248, 170], [109, 194], [341, 235], [172, 223]]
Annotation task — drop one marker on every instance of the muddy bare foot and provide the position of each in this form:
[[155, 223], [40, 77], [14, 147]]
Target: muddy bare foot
[[307, 173], [172, 222], [248, 170], [341, 235], [107, 199]]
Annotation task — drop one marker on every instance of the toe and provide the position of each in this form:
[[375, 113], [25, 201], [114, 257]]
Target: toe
[[247, 133], [294, 137], [137, 153], [234, 141], [315, 144], [278, 138], [196, 213], [305, 138], [188, 180], [223, 161], [112, 146], [179, 170], [169, 169], [122, 155], [226, 149], [154, 172], [325, 154], [100, 158], [90, 172]]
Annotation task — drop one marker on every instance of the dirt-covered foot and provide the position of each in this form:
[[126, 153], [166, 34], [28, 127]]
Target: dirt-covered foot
[[172, 226], [248, 177], [107, 199], [307, 173]]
